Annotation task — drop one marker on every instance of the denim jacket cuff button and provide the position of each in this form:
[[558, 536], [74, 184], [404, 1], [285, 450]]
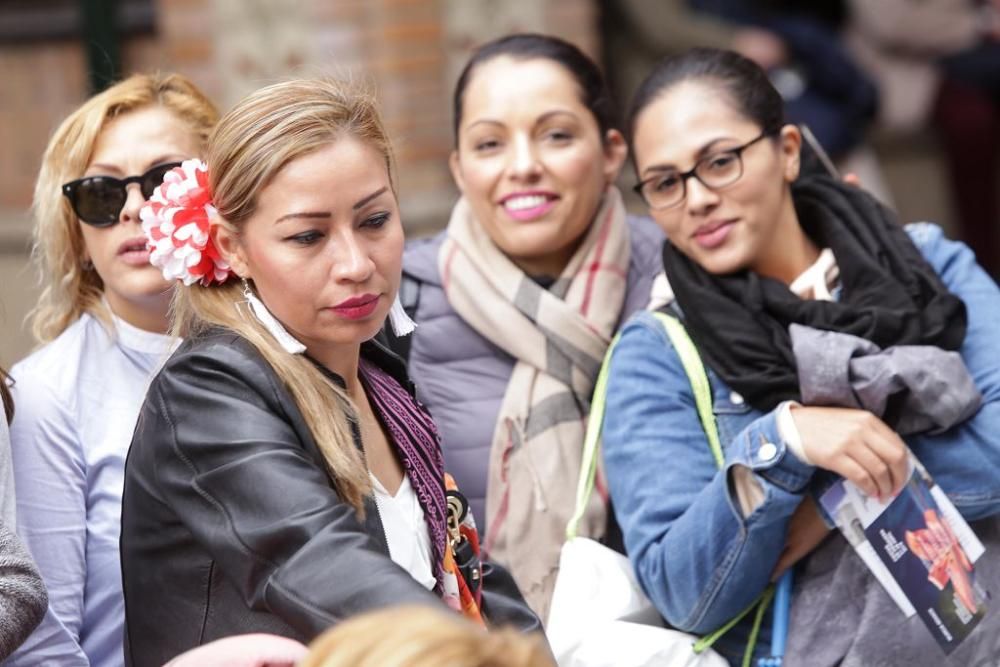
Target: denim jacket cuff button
[[767, 451]]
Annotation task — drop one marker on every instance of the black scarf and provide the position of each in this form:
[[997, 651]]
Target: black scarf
[[890, 296]]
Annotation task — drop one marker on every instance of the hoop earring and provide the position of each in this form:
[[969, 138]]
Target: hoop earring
[[273, 326]]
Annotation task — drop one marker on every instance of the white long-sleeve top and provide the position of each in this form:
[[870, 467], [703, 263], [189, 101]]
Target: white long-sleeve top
[[77, 401]]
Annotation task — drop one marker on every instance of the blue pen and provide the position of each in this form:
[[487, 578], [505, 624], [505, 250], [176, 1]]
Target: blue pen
[[779, 631]]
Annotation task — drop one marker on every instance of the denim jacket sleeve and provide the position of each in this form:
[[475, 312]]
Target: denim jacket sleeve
[[698, 559], [965, 460]]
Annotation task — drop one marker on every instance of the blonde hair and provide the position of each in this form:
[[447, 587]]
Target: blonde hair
[[68, 290], [422, 637], [250, 145]]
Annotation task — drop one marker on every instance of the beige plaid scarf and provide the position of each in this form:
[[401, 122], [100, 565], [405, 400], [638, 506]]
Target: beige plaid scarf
[[558, 337]]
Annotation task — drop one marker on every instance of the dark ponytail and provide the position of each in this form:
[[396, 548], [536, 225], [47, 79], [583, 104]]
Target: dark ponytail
[[743, 81]]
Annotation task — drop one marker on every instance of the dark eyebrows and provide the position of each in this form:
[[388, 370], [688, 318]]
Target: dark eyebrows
[[541, 119], [710, 146], [702, 152], [313, 215], [308, 215], [482, 121], [555, 112], [364, 200]]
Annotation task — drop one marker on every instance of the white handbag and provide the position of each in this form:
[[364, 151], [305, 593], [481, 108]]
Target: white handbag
[[599, 616]]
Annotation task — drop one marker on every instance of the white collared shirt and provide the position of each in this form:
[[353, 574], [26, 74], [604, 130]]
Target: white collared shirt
[[77, 399]]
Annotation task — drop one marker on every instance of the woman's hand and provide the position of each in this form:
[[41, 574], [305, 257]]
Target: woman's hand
[[806, 530], [253, 650], [856, 445]]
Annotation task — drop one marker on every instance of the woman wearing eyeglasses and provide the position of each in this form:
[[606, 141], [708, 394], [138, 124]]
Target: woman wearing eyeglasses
[[102, 319], [769, 274]]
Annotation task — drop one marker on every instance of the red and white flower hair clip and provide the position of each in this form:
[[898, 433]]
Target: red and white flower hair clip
[[176, 221]]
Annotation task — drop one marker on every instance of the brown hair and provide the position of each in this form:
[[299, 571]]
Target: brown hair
[[68, 290], [8, 400], [250, 145], [423, 637]]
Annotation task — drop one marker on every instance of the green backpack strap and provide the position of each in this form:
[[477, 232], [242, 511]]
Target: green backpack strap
[[591, 443], [702, 388], [698, 378], [695, 370]]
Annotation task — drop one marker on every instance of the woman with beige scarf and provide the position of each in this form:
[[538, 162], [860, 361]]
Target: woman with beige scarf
[[517, 300]]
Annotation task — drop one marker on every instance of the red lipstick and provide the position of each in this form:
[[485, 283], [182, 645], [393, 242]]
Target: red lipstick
[[357, 307]]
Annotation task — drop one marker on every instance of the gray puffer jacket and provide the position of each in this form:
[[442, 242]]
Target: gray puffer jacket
[[461, 377]]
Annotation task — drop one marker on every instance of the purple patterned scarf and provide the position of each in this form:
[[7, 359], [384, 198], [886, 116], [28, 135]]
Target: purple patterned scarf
[[413, 433]]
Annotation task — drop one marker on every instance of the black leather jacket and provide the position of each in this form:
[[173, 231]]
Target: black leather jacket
[[231, 524]]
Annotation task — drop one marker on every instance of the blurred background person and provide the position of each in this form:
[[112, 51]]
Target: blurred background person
[[102, 323], [937, 65], [797, 43]]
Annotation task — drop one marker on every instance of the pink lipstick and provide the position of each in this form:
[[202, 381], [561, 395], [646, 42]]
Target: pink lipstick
[[529, 205], [713, 234]]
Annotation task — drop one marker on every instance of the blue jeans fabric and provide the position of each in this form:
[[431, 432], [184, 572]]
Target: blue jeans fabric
[[698, 559]]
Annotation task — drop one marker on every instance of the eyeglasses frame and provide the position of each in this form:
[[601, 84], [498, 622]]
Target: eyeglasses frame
[[693, 173]]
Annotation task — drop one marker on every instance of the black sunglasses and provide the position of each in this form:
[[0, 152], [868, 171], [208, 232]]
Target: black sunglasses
[[98, 200]]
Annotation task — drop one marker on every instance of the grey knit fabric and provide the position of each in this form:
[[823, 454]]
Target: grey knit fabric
[[22, 593], [23, 600], [842, 617]]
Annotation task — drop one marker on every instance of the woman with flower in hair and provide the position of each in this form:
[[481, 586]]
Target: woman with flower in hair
[[102, 318], [282, 477]]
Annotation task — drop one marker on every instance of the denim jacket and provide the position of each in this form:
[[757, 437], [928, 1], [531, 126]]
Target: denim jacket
[[698, 559]]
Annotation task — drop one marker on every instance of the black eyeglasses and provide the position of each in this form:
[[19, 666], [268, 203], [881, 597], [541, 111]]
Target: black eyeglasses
[[98, 200], [668, 189]]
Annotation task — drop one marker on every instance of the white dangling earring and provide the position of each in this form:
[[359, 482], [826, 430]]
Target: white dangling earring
[[401, 323], [274, 327]]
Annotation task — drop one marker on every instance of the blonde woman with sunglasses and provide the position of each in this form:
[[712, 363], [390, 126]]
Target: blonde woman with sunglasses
[[102, 321]]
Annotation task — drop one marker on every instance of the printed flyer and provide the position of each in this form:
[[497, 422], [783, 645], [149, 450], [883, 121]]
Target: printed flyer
[[921, 550]]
